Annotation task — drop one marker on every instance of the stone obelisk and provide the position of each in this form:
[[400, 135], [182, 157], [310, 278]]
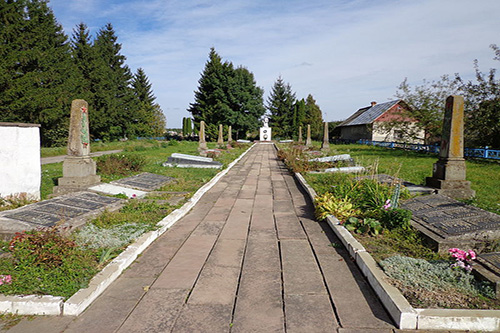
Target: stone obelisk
[[220, 139], [325, 146], [308, 137], [300, 134], [229, 134], [79, 169], [202, 144], [448, 174]]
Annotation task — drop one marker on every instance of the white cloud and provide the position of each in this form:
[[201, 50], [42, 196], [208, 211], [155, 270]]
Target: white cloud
[[344, 53]]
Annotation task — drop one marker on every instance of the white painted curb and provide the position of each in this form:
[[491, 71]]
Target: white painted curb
[[76, 304], [403, 314]]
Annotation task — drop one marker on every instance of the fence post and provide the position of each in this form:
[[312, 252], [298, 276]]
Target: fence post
[[486, 152]]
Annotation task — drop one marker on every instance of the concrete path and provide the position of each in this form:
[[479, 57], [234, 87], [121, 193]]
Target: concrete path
[[249, 257], [60, 158]]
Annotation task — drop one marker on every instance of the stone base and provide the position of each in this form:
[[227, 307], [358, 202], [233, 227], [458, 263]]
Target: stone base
[[79, 173], [456, 189], [325, 147]]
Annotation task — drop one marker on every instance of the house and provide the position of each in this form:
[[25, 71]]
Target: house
[[382, 122]]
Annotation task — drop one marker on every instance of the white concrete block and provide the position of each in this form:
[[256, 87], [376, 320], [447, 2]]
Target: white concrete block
[[454, 319], [115, 189]]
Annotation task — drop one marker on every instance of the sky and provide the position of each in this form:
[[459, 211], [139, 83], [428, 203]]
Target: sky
[[345, 53]]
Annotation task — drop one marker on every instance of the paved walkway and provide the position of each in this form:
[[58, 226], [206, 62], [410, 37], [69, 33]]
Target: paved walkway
[[60, 158], [249, 257]]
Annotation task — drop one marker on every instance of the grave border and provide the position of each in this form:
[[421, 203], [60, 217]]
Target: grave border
[[76, 304]]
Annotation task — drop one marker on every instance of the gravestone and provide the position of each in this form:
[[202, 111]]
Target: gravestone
[[448, 174], [79, 169], [191, 161], [334, 158], [487, 266], [300, 134], [325, 146], [448, 223], [265, 131], [145, 181], [202, 145], [229, 134], [67, 210], [220, 139], [308, 137]]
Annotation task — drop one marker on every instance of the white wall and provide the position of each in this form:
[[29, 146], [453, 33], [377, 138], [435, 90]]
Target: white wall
[[20, 170]]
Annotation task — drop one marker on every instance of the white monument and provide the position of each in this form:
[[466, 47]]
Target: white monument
[[265, 131]]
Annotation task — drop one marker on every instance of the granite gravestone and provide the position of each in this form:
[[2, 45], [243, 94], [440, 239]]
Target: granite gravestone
[[325, 146], [145, 181], [202, 144], [79, 169], [448, 174], [308, 137]]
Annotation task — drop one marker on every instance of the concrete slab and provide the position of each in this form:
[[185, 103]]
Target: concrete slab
[[225, 278], [204, 318], [309, 313], [115, 189]]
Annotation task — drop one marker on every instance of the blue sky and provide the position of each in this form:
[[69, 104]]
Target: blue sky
[[346, 53]]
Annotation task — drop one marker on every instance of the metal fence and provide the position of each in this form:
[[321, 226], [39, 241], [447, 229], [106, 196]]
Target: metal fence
[[468, 152]]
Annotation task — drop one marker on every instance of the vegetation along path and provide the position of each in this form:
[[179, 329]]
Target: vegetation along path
[[249, 257]]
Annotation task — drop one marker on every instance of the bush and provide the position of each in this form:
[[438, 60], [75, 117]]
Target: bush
[[328, 204], [117, 236], [120, 164], [396, 218]]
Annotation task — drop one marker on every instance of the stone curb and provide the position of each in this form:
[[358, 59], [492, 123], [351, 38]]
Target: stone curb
[[403, 314], [76, 304]]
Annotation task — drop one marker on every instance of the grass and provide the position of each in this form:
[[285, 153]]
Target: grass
[[79, 254]]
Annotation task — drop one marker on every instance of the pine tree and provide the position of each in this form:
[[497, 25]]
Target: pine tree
[[314, 118], [144, 116], [299, 116], [85, 60], [280, 104], [115, 105], [37, 80]]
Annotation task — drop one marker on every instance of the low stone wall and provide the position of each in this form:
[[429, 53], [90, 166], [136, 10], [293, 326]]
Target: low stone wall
[[20, 170]]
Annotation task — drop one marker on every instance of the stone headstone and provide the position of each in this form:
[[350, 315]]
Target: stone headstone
[[325, 146], [79, 169], [202, 145], [448, 174], [300, 134], [229, 134], [191, 161], [220, 139], [308, 137], [265, 131], [335, 158]]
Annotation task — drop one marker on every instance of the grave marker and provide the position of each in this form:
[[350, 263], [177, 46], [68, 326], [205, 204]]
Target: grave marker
[[220, 139], [229, 134], [300, 134], [308, 138], [202, 145], [448, 174], [325, 146]]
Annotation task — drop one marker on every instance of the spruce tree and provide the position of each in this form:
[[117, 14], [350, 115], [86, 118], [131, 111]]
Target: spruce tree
[[144, 116], [280, 104], [314, 118], [115, 105], [299, 116], [37, 80], [84, 58]]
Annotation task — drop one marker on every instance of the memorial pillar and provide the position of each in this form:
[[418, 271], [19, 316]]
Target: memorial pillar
[[325, 146], [202, 144], [308, 138], [220, 139], [300, 134]]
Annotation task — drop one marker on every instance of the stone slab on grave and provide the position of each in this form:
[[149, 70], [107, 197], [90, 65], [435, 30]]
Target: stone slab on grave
[[191, 161], [487, 267], [145, 181], [334, 158], [112, 189], [446, 222], [68, 210]]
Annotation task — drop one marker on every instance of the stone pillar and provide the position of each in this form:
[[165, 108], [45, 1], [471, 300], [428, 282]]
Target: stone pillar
[[325, 146], [229, 134], [202, 145], [448, 174], [220, 139], [79, 169], [308, 138], [300, 134]]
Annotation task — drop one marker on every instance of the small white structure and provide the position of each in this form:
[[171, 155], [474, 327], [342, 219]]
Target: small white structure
[[20, 169], [265, 131]]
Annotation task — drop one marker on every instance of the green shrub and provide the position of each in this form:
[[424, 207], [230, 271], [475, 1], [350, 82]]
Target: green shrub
[[396, 218], [117, 236], [120, 164], [363, 226], [328, 204]]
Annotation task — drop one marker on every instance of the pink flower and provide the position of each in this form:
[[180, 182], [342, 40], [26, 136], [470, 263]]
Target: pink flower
[[7, 279], [387, 204], [472, 254]]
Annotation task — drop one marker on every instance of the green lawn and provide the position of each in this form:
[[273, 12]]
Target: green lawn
[[414, 167]]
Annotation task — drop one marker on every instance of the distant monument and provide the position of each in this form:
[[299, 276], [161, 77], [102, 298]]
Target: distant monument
[[300, 134], [79, 169], [202, 145], [308, 138], [220, 139], [229, 134], [265, 131], [325, 146], [448, 174]]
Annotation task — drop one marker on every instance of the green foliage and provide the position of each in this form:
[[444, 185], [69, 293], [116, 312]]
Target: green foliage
[[120, 164], [396, 218], [328, 204], [363, 226], [281, 105], [15, 201], [46, 262], [114, 237], [227, 96], [434, 283], [314, 118]]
